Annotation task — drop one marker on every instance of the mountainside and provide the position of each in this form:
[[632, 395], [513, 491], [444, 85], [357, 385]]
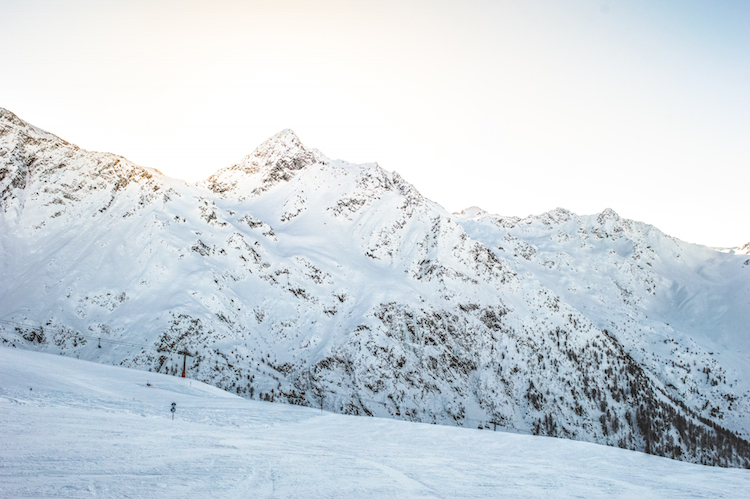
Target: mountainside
[[296, 278], [681, 310]]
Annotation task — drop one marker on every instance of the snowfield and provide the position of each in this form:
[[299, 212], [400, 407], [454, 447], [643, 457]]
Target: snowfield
[[71, 428], [295, 278]]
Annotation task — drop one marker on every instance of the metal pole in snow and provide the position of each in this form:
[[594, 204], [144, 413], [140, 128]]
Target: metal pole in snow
[[184, 362]]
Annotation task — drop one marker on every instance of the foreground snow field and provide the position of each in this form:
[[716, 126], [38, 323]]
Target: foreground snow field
[[71, 428]]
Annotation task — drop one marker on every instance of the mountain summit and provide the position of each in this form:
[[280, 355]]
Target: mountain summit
[[276, 160], [293, 278]]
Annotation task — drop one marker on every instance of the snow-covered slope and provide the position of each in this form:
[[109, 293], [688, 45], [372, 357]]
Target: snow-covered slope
[[296, 278], [681, 310], [71, 428]]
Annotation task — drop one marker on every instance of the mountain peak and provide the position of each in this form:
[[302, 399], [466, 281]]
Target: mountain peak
[[276, 159], [608, 214], [284, 143], [284, 149], [286, 134]]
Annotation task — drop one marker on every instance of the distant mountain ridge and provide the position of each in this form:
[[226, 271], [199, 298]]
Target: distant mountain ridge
[[293, 277]]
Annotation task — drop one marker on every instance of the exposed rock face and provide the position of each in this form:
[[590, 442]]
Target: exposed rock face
[[295, 278]]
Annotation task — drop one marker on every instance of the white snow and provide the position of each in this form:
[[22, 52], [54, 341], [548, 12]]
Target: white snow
[[297, 278], [71, 428]]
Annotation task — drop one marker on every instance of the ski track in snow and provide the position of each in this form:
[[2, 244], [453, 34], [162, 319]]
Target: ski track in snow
[[71, 428]]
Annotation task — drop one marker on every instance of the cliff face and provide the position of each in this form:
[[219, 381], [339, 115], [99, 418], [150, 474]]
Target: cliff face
[[295, 278]]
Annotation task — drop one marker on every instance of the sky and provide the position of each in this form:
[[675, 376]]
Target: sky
[[517, 107]]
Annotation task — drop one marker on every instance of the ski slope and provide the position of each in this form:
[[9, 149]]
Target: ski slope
[[71, 428]]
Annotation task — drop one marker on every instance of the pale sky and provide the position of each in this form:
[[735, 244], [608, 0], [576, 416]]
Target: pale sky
[[518, 107]]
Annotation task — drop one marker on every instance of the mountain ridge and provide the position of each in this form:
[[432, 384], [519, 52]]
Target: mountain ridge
[[296, 278]]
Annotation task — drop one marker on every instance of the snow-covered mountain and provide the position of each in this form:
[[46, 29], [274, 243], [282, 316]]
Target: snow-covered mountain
[[680, 310], [296, 278]]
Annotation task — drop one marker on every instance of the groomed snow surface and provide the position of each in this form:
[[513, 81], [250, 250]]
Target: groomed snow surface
[[70, 428]]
